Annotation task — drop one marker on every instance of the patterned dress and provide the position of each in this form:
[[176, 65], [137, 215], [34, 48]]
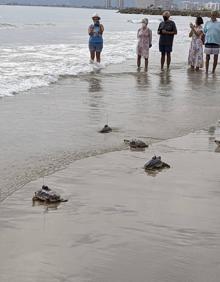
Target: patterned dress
[[144, 36], [196, 50]]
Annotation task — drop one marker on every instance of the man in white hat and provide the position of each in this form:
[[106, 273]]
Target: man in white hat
[[96, 40]]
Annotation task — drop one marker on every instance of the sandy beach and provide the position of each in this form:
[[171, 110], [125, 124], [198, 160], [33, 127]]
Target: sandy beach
[[120, 224], [49, 127]]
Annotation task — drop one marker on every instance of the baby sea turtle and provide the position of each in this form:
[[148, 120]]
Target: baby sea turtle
[[135, 143], [47, 195], [155, 164], [106, 129]]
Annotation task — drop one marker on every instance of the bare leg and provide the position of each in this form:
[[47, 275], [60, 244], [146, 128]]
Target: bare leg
[[98, 57], [168, 60], [207, 63], [146, 64], [138, 61], [92, 55], [215, 62], [162, 60]]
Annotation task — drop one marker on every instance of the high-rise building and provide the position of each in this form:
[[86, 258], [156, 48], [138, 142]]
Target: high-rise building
[[120, 4], [213, 6]]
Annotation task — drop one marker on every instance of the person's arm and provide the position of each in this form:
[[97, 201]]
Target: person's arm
[[196, 32], [169, 32], [138, 33], [205, 28], [101, 29], [174, 28], [150, 38], [90, 30], [159, 29]]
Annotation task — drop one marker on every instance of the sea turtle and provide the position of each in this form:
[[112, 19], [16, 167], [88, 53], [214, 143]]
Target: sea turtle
[[155, 164], [135, 143], [47, 195], [106, 129]]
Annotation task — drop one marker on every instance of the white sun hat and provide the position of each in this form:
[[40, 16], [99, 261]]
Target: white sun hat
[[96, 15]]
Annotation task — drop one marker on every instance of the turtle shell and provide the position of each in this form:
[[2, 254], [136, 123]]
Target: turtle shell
[[137, 144], [106, 129], [156, 163]]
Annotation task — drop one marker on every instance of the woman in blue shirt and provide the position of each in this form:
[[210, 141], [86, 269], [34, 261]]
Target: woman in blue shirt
[[212, 40], [95, 40]]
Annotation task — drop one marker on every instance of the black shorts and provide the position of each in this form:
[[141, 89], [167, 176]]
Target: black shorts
[[165, 48]]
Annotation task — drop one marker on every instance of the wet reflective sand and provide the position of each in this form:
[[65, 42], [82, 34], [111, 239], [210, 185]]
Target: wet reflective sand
[[46, 129], [120, 224]]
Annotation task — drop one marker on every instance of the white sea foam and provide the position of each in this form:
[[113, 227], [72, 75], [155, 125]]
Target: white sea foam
[[138, 21], [26, 67]]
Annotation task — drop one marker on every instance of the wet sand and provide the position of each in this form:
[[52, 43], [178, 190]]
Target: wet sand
[[120, 224], [45, 129]]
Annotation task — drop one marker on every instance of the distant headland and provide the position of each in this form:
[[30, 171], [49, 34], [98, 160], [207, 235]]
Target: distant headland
[[192, 13]]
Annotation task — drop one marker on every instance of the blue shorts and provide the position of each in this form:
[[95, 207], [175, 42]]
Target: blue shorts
[[165, 48], [95, 47]]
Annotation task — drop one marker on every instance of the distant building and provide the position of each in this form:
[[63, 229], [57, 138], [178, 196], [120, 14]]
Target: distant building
[[120, 4], [163, 4], [213, 6], [189, 5]]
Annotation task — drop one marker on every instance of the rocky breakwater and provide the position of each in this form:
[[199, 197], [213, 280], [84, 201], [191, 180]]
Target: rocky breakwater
[[192, 13]]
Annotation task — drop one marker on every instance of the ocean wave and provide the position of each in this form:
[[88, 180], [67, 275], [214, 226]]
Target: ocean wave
[[138, 21], [26, 67], [36, 25], [30, 25], [7, 26]]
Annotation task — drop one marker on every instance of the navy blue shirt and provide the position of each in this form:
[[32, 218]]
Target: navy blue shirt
[[167, 39]]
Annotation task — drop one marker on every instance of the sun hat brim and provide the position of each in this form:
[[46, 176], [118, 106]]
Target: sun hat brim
[[96, 16]]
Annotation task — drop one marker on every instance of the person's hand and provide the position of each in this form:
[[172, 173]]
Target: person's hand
[[163, 31]]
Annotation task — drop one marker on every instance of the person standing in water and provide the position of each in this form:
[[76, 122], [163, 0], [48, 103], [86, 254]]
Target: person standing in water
[[95, 40], [166, 30], [195, 59], [144, 36], [212, 40]]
